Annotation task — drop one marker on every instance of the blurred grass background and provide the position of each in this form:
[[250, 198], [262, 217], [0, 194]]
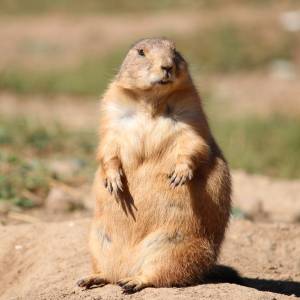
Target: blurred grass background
[[115, 6], [233, 45], [224, 48]]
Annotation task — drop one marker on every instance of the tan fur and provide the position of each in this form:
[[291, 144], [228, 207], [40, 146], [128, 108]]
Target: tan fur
[[148, 230]]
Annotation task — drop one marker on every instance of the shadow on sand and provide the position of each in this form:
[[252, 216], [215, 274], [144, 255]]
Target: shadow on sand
[[222, 274]]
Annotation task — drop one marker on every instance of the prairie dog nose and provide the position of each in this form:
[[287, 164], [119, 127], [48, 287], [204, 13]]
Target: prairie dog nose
[[168, 69]]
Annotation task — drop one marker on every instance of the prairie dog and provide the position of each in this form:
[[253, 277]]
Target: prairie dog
[[163, 191]]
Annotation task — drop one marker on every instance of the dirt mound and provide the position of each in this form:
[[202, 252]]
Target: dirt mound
[[44, 260]]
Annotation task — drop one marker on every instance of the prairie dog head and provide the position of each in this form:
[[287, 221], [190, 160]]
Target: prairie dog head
[[152, 64]]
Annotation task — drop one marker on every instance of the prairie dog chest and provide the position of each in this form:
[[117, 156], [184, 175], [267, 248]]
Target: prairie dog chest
[[139, 133]]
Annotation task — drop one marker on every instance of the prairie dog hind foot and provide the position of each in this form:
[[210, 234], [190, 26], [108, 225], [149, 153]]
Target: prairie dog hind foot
[[133, 284], [91, 280]]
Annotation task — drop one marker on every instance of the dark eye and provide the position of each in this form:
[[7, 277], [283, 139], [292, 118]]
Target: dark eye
[[141, 52]]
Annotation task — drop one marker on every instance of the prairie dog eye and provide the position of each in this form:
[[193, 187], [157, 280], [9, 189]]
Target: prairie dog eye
[[141, 52]]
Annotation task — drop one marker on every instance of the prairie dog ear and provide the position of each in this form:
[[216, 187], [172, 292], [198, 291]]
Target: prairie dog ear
[[179, 60], [178, 56]]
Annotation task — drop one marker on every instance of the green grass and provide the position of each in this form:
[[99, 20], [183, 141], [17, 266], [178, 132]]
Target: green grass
[[26, 152], [18, 176], [229, 48], [114, 6], [267, 146], [41, 140], [89, 77]]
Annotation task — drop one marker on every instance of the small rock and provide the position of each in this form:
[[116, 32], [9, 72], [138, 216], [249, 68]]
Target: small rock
[[283, 69], [290, 20], [71, 224], [18, 247], [64, 168], [59, 200]]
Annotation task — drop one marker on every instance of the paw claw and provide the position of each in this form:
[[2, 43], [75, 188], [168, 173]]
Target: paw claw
[[131, 285], [89, 281], [180, 176], [105, 183], [122, 282], [80, 282], [113, 181]]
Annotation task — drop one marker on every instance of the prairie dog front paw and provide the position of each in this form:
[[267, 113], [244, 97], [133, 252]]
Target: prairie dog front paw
[[113, 180], [180, 175]]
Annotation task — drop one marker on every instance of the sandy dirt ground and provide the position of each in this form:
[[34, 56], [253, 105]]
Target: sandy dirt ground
[[44, 260]]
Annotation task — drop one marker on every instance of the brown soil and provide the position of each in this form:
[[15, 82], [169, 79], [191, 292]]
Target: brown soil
[[44, 260]]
